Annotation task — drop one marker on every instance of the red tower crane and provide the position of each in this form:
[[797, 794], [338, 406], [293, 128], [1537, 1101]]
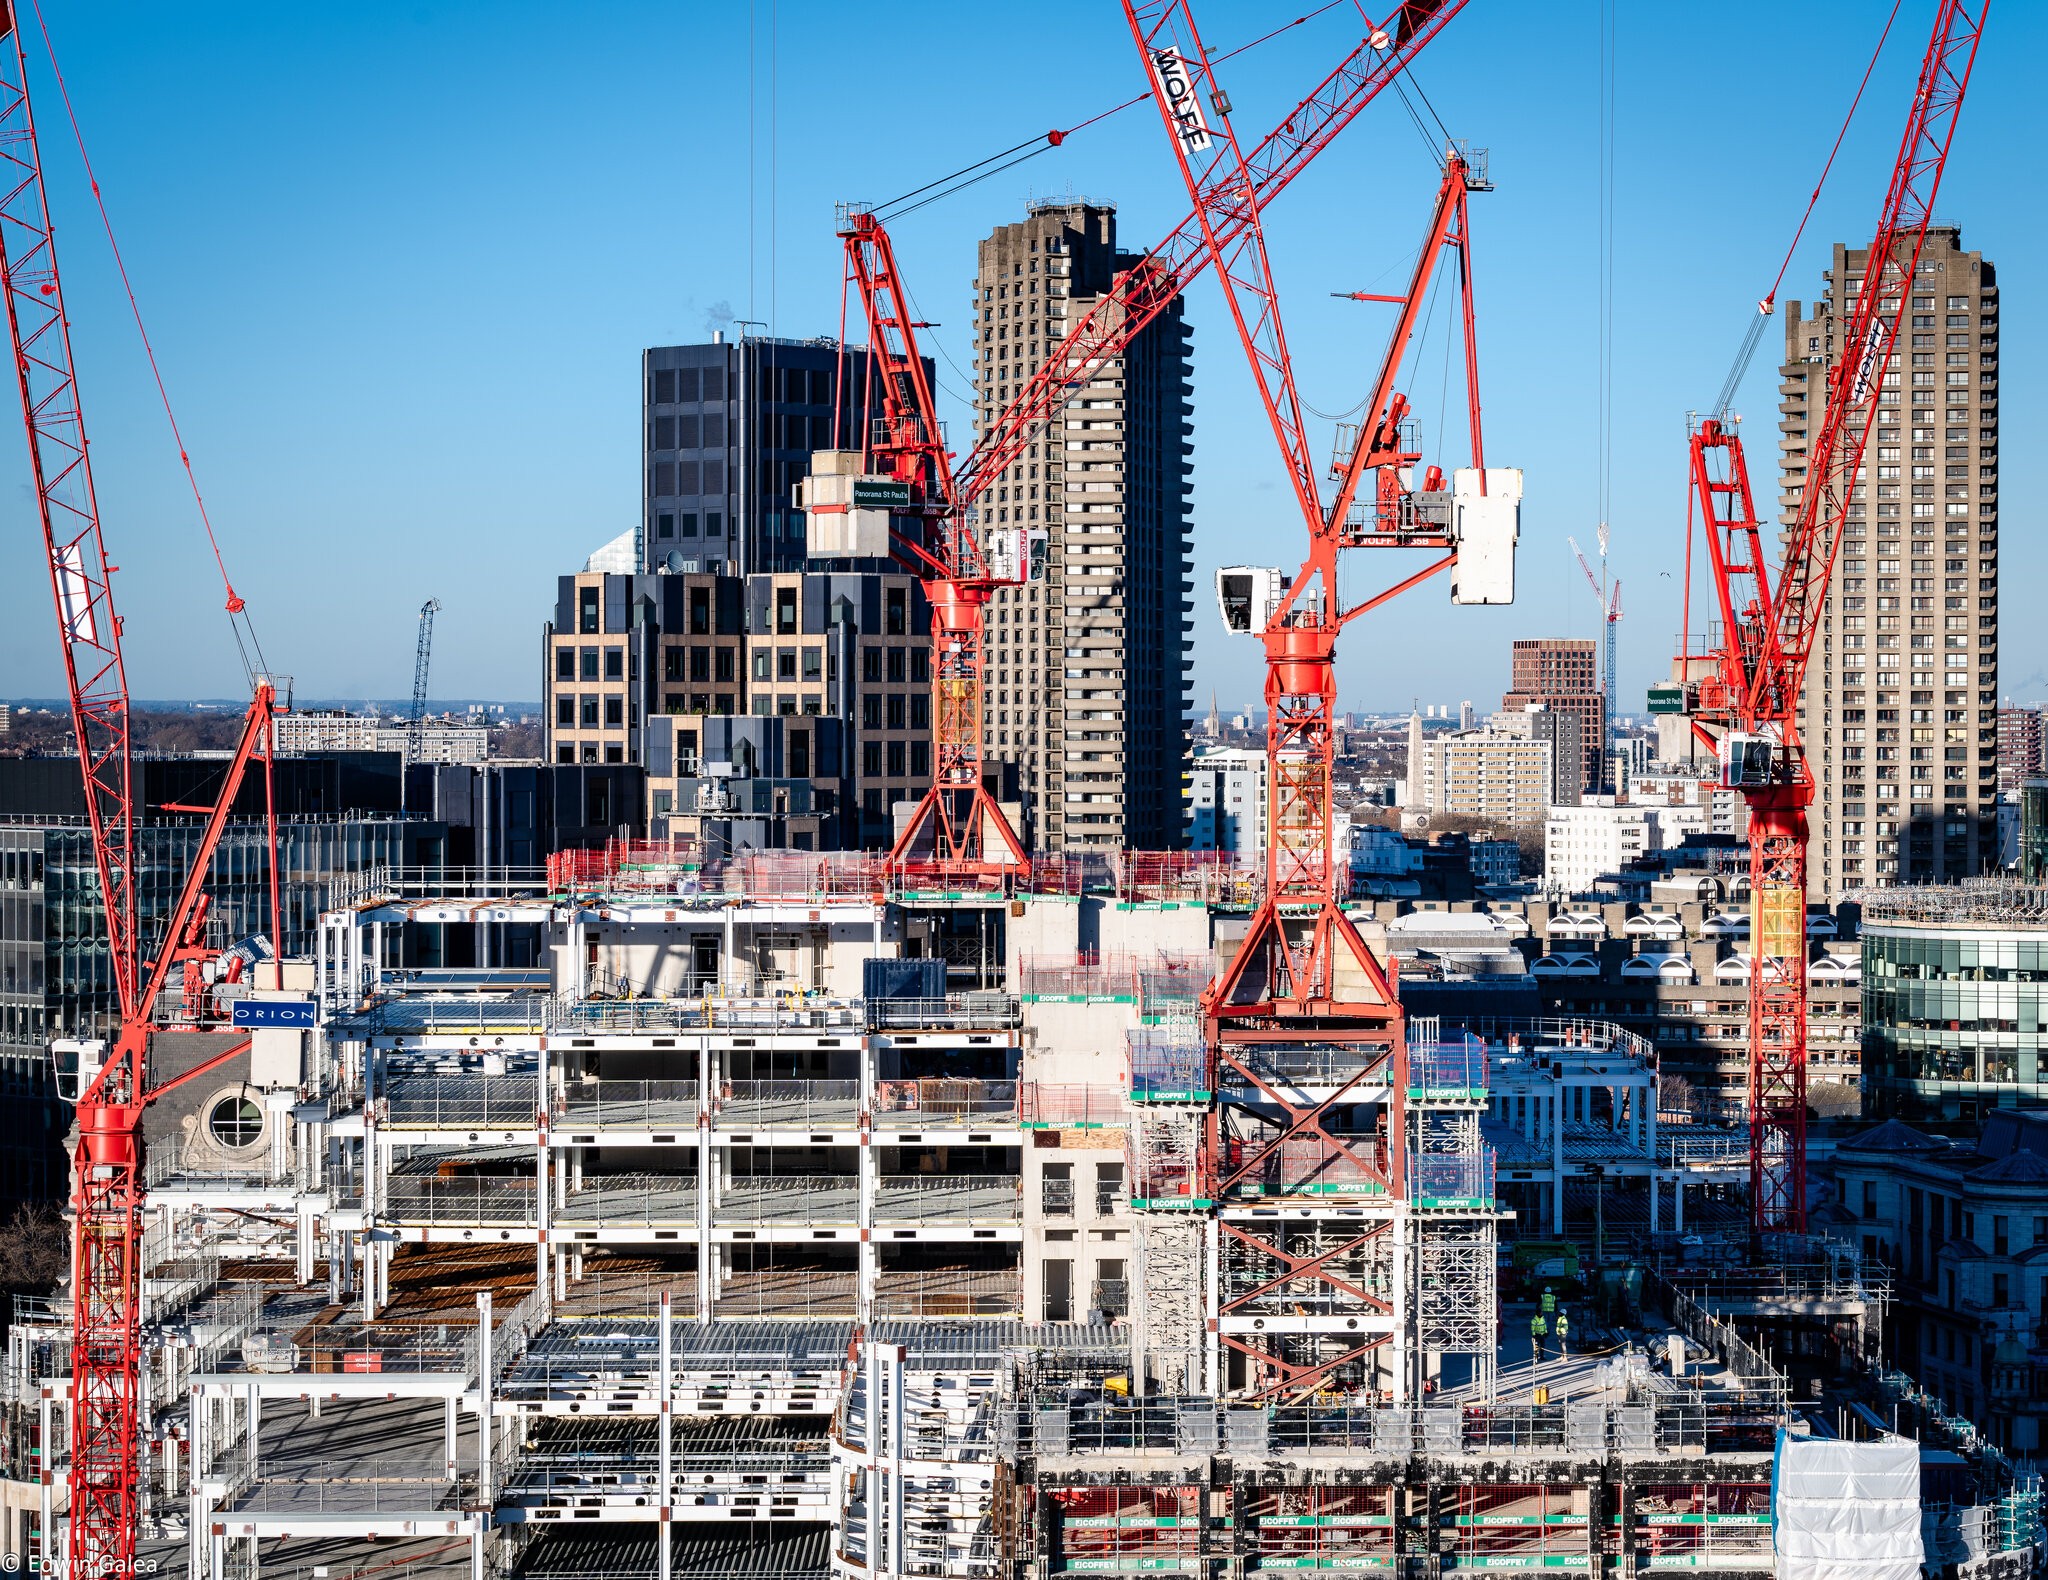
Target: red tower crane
[[107, 1194], [957, 826], [1747, 705], [1303, 975]]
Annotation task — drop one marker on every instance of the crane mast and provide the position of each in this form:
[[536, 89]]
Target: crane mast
[[1747, 706], [1303, 975], [957, 826], [109, 1081]]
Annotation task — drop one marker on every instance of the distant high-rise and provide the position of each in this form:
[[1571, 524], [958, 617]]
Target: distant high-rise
[[1564, 676], [727, 429], [1900, 710], [2019, 747], [1087, 669]]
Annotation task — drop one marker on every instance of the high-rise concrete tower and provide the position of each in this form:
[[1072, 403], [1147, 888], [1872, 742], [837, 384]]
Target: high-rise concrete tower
[[1900, 710], [1088, 666]]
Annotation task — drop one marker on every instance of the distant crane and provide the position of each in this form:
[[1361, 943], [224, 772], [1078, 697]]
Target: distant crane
[[416, 724], [1609, 597]]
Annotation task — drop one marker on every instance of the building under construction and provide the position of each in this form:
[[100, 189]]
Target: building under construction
[[782, 1222]]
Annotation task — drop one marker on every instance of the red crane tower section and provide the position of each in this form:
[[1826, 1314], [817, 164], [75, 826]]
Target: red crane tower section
[[1303, 988], [106, 1199], [957, 828], [1747, 705]]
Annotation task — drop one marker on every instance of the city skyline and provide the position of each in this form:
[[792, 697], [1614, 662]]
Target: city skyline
[[544, 470]]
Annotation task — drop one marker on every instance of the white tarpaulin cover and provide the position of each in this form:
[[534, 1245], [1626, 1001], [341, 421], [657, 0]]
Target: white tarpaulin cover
[[1846, 1511]]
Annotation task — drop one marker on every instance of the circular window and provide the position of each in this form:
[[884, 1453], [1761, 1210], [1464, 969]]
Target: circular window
[[235, 1122]]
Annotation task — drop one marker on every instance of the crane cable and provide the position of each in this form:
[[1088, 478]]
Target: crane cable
[[1769, 305], [238, 615], [1017, 153]]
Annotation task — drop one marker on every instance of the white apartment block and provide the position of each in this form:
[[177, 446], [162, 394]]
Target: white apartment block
[[1584, 843], [1227, 802]]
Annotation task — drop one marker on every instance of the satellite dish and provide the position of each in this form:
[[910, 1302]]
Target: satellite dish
[[675, 562]]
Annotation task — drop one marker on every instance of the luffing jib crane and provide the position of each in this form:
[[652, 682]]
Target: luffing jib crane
[[1746, 707], [1302, 974], [1300, 941], [901, 496], [423, 652], [110, 1078]]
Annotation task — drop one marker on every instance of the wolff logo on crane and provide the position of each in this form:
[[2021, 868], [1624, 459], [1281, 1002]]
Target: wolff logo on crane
[[1177, 89]]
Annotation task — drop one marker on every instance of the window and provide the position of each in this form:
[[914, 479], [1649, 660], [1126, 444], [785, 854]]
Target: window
[[589, 713], [800, 754], [565, 663], [896, 664], [589, 666], [565, 713], [785, 611], [615, 663], [586, 610], [724, 664], [920, 759], [671, 663], [871, 664], [871, 758], [665, 525], [895, 759], [785, 663], [897, 620], [714, 523], [689, 524], [764, 664], [235, 1123], [895, 706], [920, 712], [614, 713], [871, 711], [700, 663], [814, 663], [920, 665], [700, 611]]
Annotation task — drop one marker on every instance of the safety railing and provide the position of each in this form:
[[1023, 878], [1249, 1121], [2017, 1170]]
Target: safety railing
[[1059, 1105], [171, 1160], [818, 1199], [955, 1012], [938, 1100], [628, 1105], [794, 1105], [1110, 1295], [1451, 1070], [461, 1101], [950, 1292], [1364, 1069], [1167, 1066], [480, 1200], [787, 1293], [912, 1198], [630, 1201]]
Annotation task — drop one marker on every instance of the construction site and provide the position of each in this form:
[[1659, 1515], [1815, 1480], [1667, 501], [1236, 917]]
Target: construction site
[[960, 1209]]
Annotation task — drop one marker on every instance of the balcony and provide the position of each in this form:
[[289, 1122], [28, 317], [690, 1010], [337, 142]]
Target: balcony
[[949, 1292]]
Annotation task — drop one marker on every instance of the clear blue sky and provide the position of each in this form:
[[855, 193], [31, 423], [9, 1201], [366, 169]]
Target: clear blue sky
[[400, 262]]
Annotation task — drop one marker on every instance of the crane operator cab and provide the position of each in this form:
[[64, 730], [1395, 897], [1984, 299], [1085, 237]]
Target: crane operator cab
[[1748, 762], [76, 1062]]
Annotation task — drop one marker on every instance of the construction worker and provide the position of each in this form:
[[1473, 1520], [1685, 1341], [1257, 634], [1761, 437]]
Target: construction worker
[[1538, 1328], [1549, 1300], [1564, 1333]]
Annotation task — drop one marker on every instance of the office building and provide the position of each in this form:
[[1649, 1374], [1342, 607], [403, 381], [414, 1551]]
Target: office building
[[1954, 978], [1087, 670], [1564, 676], [727, 429], [1227, 802], [1900, 711], [2019, 747], [663, 658]]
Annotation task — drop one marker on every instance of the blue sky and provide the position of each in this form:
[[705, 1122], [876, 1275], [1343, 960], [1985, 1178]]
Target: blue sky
[[400, 263]]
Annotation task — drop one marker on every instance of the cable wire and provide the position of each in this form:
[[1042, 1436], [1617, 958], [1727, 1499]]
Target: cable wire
[[238, 617], [1765, 308]]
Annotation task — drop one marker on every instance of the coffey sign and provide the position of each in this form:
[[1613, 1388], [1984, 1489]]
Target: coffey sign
[[1177, 87]]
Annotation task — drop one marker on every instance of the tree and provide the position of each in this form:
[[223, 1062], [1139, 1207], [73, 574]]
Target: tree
[[35, 1251]]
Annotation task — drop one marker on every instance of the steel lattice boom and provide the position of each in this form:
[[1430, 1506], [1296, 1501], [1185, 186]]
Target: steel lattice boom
[[958, 826], [107, 1198], [1747, 707]]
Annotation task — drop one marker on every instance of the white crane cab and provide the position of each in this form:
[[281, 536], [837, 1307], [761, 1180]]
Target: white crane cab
[[76, 1062], [1249, 596]]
